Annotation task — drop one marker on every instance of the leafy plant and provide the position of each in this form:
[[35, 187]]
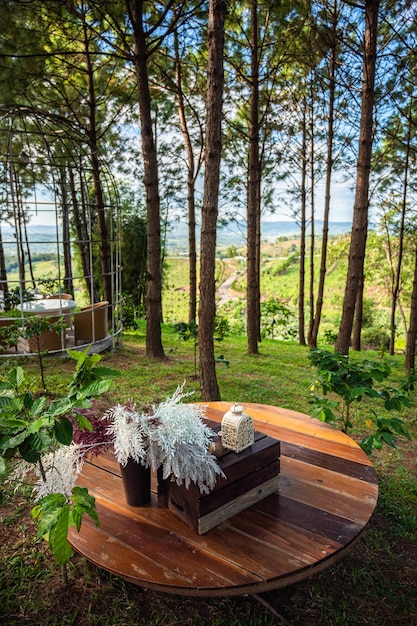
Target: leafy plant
[[34, 327], [16, 296], [49, 285], [129, 312], [36, 432], [186, 332], [275, 315], [221, 328], [56, 514], [173, 438], [352, 381]]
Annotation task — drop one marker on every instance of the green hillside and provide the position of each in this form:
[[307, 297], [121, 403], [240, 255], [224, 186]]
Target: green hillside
[[280, 281]]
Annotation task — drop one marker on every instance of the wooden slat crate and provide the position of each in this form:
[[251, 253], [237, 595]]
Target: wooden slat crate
[[251, 475]]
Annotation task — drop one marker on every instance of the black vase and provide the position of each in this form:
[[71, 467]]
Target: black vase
[[136, 482]]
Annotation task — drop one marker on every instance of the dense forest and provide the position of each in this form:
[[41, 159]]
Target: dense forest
[[210, 112]]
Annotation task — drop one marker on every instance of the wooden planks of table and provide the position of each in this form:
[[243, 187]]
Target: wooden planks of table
[[327, 493]]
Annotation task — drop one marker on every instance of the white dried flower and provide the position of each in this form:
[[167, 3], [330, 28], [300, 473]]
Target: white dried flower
[[179, 442], [128, 434], [174, 437], [59, 472]]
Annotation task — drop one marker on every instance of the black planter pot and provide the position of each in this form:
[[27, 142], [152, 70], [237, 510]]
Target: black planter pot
[[137, 483]]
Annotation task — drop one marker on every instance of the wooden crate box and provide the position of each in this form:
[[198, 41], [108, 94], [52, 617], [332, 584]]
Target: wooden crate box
[[251, 475]]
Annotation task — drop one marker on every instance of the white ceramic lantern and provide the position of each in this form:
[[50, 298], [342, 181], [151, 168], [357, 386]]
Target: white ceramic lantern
[[237, 429]]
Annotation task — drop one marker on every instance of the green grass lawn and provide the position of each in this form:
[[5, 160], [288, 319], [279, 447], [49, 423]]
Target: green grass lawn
[[375, 584]]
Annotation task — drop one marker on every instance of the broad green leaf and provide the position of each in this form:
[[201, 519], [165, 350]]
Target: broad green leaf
[[76, 517], [104, 371], [78, 356], [15, 440], [96, 388], [40, 441], [27, 452], [63, 431], [6, 386], [16, 376], [389, 439], [82, 422], [28, 400], [51, 501], [83, 503], [8, 422], [8, 402], [357, 392], [38, 406], [41, 422], [80, 495], [48, 511], [58, 538], [62, 406]]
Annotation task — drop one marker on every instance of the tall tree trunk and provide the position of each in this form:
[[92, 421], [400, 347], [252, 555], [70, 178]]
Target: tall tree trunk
[[66, 236], [313, 217], [154, 346], [360, 210], [397, 277], [4, 287], [192, 172], [253, 202], [80, 223], [95, 166], [213, 145], [410, 348], [301, 282], [17, 216], [28, 253], [357, 320], [314, 328]]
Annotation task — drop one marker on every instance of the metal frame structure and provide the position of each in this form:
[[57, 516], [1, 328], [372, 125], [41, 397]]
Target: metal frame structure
[[48, 209]]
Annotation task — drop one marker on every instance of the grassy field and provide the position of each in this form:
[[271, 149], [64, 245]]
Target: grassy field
[[375, 584]]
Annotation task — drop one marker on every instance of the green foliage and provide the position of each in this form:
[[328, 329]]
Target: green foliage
[[190, 331], [56, 515], [10, 334], [275, 316], [353, 381], [129, 311], [376, 338], [186, 332], [31, 427], [221, 328], [34, 326], [133, 251], [16, 296], [330, 335], [284, 265], [49, 285], [89, 379]]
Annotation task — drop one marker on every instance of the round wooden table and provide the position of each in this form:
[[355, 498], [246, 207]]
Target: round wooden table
[[327, 493]]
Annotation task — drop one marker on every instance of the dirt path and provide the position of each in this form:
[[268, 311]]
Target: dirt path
[[223, 292]]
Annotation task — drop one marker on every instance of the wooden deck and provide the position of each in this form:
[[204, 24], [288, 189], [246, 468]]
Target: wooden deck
[[327, 493]]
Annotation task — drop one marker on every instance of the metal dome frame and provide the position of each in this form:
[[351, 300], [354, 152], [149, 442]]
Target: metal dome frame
[[49, 206]]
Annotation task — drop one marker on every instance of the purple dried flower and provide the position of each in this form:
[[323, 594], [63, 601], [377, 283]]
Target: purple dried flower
[[96, 440]]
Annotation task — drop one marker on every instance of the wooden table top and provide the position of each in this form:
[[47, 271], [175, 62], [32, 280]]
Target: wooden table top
[[327, 493], [47, 306]]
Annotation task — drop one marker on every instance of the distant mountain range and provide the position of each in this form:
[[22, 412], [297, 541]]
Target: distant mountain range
[[43, 237], [234, 234]]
